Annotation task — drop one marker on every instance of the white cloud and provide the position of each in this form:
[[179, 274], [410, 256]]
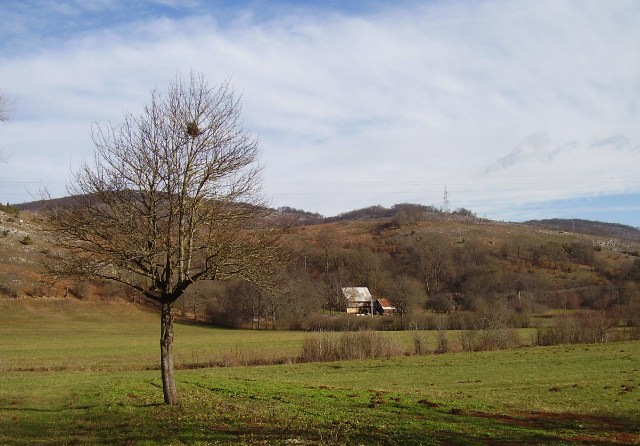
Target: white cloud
[[506, 103]]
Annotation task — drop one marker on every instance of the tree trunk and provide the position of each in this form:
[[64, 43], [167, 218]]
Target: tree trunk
[[166, 354]]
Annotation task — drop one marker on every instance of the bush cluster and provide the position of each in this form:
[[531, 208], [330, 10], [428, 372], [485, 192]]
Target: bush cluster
[[580, 328], [348, 322], [11, 210], [489, 332], [361, 344], [26, 240]]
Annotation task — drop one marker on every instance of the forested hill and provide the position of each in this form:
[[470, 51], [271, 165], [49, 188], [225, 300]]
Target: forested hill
[[588, 227]]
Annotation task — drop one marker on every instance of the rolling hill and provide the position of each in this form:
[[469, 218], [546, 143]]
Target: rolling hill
[[417, 256]]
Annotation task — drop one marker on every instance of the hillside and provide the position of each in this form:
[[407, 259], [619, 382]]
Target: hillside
[[407, 212], [588, 227], [423, 260]]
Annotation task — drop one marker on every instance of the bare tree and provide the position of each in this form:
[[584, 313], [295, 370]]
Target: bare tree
[[172, 197], [431, 257], [406, 294], [325, 238]]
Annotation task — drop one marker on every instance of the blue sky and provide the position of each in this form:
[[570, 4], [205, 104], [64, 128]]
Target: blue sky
[[524, 110]]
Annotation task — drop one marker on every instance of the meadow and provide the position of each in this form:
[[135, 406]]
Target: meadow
[[74, 372]]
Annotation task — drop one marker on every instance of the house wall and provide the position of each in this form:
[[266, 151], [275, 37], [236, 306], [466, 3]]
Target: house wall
[[358, 307]]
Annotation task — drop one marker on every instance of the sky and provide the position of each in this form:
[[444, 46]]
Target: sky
[[521, 110]]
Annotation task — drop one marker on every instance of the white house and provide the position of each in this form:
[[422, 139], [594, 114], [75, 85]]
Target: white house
[[359, 300]]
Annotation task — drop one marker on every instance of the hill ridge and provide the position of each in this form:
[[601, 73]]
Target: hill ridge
[[590, 227]]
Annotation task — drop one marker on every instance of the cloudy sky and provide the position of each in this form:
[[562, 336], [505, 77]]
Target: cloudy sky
[[522, 109]]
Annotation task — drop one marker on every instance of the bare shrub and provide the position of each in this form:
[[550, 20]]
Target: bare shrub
[[581, 328], [468, 340], [111, 291], [388, 323], [461, 320], [519, 319], [318, 348], [350, 322], [11, 289], [235, 357], [563, 331], [423, 321], [443, 342], [595, 326], [83, 290], [419, 344], [630, 334], [27, 240], [36, 290], [222, 311], [496, 335], [362, 344], [489, 332]]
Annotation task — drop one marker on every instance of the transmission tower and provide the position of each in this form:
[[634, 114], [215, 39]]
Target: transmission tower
[[445, 200]]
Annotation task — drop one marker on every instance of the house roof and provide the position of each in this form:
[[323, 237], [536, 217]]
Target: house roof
[[385, 303], [357, 294]]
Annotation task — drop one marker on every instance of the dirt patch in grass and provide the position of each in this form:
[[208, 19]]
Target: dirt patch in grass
[[597, 429], [429, 403]]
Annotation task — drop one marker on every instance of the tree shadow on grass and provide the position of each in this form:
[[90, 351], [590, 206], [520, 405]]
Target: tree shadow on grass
[[559, 428], [156, 423]]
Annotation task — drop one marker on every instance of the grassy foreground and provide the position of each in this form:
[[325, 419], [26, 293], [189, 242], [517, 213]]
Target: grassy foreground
[[559, 395]]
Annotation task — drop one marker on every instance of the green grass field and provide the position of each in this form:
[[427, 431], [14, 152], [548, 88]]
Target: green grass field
[[79, 373]]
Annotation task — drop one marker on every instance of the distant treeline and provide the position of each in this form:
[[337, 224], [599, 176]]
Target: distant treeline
[[406, 211], [588, 227]]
